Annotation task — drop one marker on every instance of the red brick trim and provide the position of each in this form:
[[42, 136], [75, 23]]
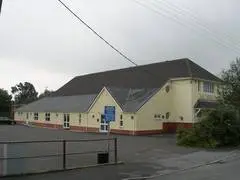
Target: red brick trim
[[93, 129], [47, 125], [19, 122], [148, 132], [138, 133], [84, 129], [123, 132], [171, 127]]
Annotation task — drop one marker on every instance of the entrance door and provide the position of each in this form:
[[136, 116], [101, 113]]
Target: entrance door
[[66, 121], [103, 125]]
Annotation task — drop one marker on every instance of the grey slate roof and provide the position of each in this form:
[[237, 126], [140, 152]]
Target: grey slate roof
[[79, 103], [144, 76], [131, 100]]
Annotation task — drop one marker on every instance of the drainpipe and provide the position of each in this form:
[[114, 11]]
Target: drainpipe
[[133, 132], [192, 103], [87, 123]]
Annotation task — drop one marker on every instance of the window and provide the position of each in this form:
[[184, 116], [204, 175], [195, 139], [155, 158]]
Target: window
[[181, 118], [121, 116], [132, 117], [35, 116], [167, 115], [121, 123], [27, 115], [66, 121], [19, 113], [93, 116], [208, 87], [47, 116]]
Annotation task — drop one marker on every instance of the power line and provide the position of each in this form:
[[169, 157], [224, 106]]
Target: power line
[[177, 20], [197, 21], [97, 34], [212, 35]]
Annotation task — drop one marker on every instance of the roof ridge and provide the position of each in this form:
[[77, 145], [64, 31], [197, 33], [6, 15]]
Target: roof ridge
[[133, 67]]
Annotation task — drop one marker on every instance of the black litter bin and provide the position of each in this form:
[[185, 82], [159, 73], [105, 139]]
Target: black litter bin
[[103, 158]]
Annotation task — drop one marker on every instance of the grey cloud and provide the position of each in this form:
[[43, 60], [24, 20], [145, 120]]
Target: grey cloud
[[45, 36]]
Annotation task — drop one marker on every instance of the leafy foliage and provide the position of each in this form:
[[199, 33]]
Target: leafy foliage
[[5, 103], [231, 90], [46, 93], [24, 93], [5, 98], [220, 128]]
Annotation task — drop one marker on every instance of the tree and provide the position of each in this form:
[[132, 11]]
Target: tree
[[5, 98], [5, 102], [24, 93], [46, 93], [231, 89]]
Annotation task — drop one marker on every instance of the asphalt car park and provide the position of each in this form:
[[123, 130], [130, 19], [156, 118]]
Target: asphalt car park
[[140, 154]]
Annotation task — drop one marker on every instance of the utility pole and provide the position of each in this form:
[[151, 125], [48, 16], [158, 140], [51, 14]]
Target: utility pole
[[1, 5]]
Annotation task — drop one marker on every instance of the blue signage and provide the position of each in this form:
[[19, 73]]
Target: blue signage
[[109, 112]]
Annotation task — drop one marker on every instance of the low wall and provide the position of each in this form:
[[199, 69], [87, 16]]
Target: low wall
[[171, 127]]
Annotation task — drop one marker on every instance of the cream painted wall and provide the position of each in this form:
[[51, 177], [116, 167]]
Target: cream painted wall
[[105, 99], [18, 116], [178, 102], [160, 103], [75, 120], [55, 118], [182, 101]]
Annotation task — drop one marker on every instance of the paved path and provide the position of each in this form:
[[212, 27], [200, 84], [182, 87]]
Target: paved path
[[219, 171]]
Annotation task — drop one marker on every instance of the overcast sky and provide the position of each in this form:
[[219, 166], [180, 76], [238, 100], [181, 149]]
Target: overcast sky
[[42, 43]]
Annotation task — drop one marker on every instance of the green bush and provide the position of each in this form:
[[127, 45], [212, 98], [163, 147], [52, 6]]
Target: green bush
[[219, 128]]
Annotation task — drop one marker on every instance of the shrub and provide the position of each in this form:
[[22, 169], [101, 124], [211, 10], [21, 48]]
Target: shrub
[[219, 128]]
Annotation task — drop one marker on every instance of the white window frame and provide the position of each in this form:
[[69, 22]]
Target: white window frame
[[66, 121], [35, 116], [208, 87], [47, 116]]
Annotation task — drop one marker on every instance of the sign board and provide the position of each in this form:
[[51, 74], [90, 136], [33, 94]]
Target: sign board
[[109, 112]]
